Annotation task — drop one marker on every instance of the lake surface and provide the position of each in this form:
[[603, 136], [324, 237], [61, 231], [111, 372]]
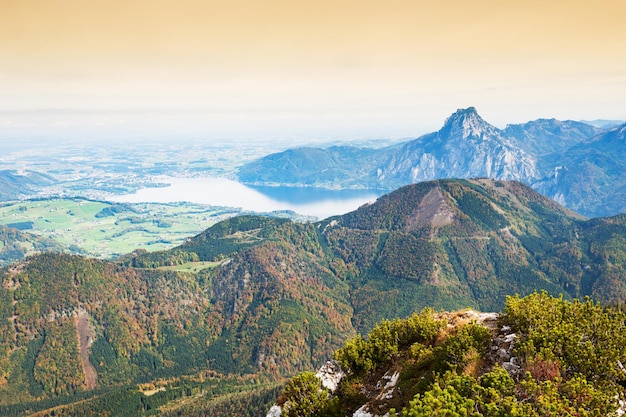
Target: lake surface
[[316, 202]]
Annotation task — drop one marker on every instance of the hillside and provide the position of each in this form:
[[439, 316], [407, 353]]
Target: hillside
[[19, 184], [15, 245], [329, 167], [44, 299], [543, 357], [276, 294], [591, 176], [271, 297]]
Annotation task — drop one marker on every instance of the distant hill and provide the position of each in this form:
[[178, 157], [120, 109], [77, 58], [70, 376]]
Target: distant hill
[[18, 184], [591, 176], [282, 296], [332, 167], [544, 136], [466, 147], [603, 123], [15, 244]]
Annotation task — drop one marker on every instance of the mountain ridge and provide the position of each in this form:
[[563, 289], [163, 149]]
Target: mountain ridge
[[467, 147], [590, 176], [544, 136]]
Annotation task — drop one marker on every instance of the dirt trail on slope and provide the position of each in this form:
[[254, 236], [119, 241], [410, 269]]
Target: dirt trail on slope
[[85, 338]]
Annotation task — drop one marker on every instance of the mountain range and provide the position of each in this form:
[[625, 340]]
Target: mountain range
[[281, 296], [577, 164]]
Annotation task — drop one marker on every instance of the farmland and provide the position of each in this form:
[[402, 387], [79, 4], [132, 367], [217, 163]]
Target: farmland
[[107, 230]]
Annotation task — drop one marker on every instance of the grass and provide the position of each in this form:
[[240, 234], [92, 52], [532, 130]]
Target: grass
[[73, 223]]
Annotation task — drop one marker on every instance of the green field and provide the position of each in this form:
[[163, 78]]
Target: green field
[[83, 227]]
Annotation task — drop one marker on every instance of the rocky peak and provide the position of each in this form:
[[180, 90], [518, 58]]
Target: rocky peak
[[465, 123]]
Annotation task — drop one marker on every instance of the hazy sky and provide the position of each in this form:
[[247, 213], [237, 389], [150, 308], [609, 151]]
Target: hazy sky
[[304, 69]]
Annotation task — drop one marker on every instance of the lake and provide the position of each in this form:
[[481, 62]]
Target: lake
[[317, 202]]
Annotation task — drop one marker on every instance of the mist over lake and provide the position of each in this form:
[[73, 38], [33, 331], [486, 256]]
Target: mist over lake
[[320, 203]]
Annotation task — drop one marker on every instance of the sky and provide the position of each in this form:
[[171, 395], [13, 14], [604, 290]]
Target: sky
[[312, 70]]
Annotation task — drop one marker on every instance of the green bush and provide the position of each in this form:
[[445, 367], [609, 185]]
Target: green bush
[[385, 340], [305, 397], [583, 337]]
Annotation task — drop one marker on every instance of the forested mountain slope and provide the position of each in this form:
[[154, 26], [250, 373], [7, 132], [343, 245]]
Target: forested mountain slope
[[15, 244], [456, 243], [282, 296]]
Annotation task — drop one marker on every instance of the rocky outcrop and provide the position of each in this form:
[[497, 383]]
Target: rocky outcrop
[[275, 411], [330, 374], [383, 392], [362, 412], [502, 351]]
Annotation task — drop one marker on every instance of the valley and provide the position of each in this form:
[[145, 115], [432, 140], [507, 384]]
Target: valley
[[94, 170], [108, 230]]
